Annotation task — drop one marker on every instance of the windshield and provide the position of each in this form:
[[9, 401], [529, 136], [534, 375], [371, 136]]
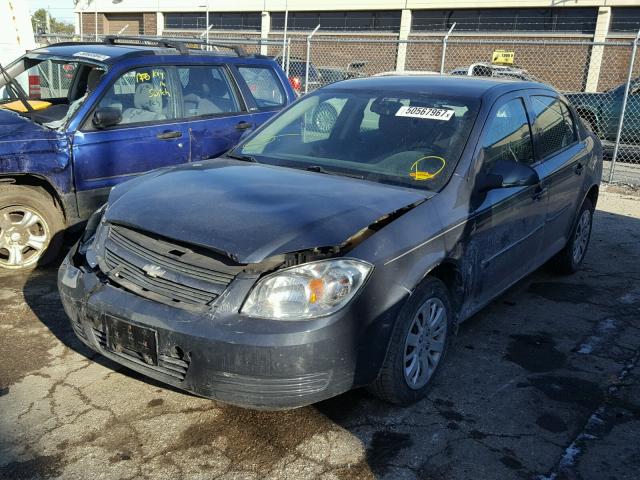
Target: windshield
[[412, 140], [53, 88]]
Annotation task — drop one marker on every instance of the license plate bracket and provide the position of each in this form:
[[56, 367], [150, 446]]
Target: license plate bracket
[[132, 340]]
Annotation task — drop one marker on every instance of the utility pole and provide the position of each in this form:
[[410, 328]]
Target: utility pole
[[48, 20]]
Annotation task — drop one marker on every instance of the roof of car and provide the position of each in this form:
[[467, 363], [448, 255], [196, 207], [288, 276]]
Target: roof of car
[[106, 52], [444, 84]]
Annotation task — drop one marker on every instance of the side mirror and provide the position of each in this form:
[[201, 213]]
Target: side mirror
[[106, 117], [508, 173]]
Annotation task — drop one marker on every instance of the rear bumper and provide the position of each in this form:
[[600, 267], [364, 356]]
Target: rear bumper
[[243, 361]]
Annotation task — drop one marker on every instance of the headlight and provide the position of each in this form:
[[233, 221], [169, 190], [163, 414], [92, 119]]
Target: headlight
[[307, 291], [89, 234]]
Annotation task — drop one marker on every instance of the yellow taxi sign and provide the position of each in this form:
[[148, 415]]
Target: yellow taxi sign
[[503, 57]]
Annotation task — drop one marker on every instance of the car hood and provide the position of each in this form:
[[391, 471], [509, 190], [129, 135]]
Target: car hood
[[13, 128], [252, 211]]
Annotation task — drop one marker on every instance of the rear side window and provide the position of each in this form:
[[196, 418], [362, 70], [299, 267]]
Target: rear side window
[[553, 124], [264, 86], [508, 136], [207, 90]]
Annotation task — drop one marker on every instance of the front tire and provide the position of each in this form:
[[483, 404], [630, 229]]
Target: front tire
[[569, 259], [31, 228], [418, 345]]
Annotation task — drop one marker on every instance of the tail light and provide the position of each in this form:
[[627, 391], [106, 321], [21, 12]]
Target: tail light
[[34, 86], [296, 83]]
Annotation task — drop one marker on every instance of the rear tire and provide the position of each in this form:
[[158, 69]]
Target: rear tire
[[569, 259], [415, 356], [31, 228]]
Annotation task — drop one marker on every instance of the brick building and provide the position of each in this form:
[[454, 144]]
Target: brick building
[[349, 26]]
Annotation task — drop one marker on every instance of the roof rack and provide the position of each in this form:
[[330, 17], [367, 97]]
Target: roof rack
[[180, 44]]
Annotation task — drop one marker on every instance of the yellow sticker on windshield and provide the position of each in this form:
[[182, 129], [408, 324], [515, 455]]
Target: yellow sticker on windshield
[[426, 168]]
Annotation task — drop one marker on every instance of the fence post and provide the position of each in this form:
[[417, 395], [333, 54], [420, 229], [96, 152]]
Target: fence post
[[306, 68], [444, 47], [288, 50], [405, 29], [624, 106]]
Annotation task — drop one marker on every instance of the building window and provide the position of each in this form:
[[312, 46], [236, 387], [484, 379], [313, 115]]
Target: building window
[[219, 21], [577, 20], [625, 19], [387, 21]]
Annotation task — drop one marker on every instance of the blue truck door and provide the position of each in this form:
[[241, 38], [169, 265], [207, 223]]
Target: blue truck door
[[214, 108], [263, 90], [150, 135]]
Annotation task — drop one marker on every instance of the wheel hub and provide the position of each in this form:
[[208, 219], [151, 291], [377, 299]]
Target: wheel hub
[[15, 237], [24, 237]]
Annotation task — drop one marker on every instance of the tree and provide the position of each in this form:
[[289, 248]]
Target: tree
[[39, 22]]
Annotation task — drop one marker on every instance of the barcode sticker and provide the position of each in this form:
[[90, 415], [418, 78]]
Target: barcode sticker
[[425, 112]]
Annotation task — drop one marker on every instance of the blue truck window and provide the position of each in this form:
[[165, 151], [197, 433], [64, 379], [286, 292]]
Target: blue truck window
[[264, 86], [142, 95], [206, 90]]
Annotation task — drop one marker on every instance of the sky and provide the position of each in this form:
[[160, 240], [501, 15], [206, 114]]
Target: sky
[[60, 9]]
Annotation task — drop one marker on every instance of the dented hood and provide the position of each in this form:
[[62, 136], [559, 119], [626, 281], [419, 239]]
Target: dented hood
[[252, 211], [15, 129]]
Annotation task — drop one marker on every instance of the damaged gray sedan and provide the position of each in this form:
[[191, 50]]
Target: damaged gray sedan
[[309, 261]]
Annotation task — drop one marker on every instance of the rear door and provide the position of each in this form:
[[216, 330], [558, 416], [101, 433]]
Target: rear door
[[149, 136], [508, 223], [263, 90], [212, 105], [562, 160]]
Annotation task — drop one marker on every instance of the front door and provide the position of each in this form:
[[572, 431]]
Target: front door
[[507, 224], [150, 135]]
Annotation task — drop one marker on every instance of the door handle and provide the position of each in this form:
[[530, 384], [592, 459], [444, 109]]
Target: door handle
[[578, 169], [243, 125], [168, 135], [540, 192]]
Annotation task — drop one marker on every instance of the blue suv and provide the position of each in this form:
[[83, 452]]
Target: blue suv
[[78, 118]]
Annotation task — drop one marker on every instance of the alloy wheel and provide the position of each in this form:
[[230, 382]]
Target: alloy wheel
[[425, 342], [581, 237], [324, 119], [24, 237]]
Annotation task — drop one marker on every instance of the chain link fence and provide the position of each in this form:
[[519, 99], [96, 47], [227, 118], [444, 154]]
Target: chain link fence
[[601, 79]]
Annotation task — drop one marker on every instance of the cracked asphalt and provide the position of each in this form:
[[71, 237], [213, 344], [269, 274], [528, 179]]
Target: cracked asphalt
[[543, 383]]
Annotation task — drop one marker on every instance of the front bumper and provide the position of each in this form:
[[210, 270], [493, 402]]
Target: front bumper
[[249, 362]]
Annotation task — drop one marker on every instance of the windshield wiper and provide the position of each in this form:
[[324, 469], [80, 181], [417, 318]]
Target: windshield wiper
[[319, 169], [244, 158], [17, 89]]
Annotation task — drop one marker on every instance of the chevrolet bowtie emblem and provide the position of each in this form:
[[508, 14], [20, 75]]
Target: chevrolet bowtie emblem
[[153, 271]]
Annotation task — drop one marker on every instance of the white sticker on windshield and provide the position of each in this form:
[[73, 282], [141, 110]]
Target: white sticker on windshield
[[91, 55], [425, 112]]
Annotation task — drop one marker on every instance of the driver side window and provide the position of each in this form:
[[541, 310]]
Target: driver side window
[[142, 95], [508, 135]]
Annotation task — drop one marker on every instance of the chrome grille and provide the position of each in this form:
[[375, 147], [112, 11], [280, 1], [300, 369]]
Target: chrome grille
[[163, 271]]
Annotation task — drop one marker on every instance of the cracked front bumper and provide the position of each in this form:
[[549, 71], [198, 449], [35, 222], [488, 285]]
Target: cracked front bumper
[[250, 362]]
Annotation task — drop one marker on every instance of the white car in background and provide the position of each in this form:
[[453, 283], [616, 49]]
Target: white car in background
[[405, 73], [483, 69]]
